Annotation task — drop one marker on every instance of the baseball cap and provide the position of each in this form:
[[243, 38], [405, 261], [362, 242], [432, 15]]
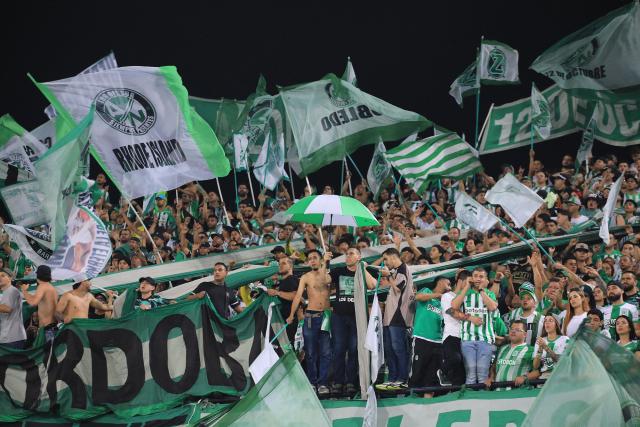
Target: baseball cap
[[574, 200], [147, 279], [581, 247], [527, 288], [161, 196]]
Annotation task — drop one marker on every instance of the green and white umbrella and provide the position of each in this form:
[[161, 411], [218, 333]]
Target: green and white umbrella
[[332, 210]]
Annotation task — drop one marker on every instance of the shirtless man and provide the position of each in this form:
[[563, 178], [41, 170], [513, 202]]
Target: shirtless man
[[316, 340], [75, 304], [45, 298]]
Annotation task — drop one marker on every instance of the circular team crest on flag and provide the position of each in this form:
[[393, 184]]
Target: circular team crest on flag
[[339, 100], [126, 110]]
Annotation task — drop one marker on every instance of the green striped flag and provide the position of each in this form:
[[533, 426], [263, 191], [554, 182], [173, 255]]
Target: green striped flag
[[427, 160]]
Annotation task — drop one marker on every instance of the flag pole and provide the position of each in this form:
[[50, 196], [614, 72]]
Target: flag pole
[[235, 187], [146, 230], [478, 92], [224, 206], [293, 193], [544, 251], [320, 227], [503, 222], [253, 197], [344, 165]]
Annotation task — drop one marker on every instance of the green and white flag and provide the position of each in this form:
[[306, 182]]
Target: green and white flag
[[240, 145], [107, 62], [25, 203], [517, 200], [596, 61], [595, 383], [379, 170], [331, 118], [223, 115], [269, 166], [149, 202], [58, 172], [609, 209], [498, 63], [428, 160], [146, 136], [540, 117], [349, 74], [586, 145], [17, 146], [472, 213], [46, 133], [466, 84]]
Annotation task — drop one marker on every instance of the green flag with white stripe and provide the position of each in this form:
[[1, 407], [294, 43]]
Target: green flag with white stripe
[[428, 160], [465, 84]]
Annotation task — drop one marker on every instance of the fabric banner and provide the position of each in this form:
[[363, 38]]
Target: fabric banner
[[509, 125], [594, 61], [222, 115], [83, 252], [17, 146], [107, 62], [25, 204], [465, 84], [594, 383], [103, 365], [46, 133], [609, 209], [473, 408], [240, 145], [379, 170], [331, 118], [472, 213], [360, 308], [269, 166], [498, 63], [146, 135], [519, 201], [540, 119]]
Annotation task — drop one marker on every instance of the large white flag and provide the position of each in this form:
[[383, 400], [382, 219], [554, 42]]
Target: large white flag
[[374, 341], [269, 166], [145, 135], [105, 63], [519, 201], [82, 254], [608, 209], [472, 213], [498, 63], [240, 145]]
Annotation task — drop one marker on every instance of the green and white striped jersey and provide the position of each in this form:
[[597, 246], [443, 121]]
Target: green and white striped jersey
[[534, 323], [474, 306], [557, 346], [513, 361], [632, 346], [612, 312]]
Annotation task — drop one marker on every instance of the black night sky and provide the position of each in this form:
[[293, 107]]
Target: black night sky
[[406, 53]]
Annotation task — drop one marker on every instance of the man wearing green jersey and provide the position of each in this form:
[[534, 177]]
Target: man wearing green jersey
[[615, 294], [527, 312], [477, 340], [514, 361], [427, 336]]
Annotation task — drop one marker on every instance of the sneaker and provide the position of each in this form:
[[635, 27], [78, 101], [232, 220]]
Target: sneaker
[[384, 386], [323, 390], [444, 381], [394, 386], [336, 389], [402, 385], [351, 389]]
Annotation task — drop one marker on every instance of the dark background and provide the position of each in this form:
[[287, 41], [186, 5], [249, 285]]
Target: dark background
[[406, 53]]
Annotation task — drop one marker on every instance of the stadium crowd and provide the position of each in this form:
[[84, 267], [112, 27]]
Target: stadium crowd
[[510, 321]]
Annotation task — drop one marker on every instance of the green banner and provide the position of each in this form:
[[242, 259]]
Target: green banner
[[222, 115], [100, 366], [473, 408], [509, 126]]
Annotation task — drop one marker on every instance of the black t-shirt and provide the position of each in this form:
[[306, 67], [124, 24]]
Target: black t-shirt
[[221, 296], [343, 280], [290, 284]]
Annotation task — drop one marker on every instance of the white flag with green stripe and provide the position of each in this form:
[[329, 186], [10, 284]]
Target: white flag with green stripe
[[269, 166], [540, 113], [17, 146], [498, 63], [588, 135], [465, 84], [331, 118], [427, 160], [473, 214], [145, 134], [379, 170]]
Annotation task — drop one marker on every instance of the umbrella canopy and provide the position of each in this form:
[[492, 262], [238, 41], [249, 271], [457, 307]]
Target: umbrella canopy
[[332, 210]]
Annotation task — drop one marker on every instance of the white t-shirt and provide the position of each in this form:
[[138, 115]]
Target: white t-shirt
[[574, 324], [451, 324], [11, 328], [579, 220]]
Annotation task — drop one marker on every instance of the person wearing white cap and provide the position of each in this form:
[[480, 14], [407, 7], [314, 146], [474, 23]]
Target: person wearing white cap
[[527, 313], [573, 206]]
